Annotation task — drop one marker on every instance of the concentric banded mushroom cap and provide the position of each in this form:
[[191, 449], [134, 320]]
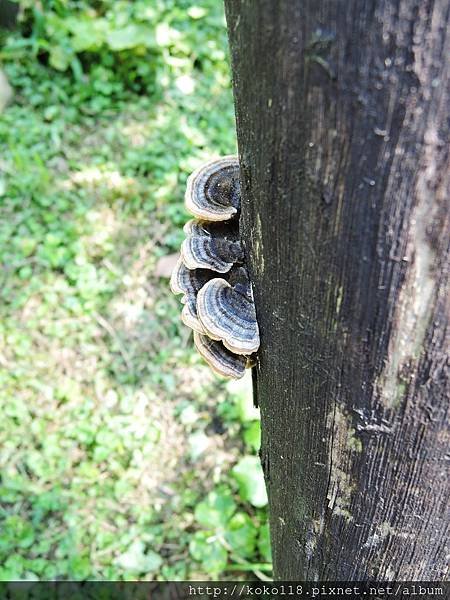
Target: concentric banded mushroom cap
[[219, 358], [213, 190], [217, 254], [189, 314], [177, 277], [228, 315], [188, 281]]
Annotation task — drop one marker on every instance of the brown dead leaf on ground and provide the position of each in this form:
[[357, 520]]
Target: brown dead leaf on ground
[[166, 265], [6, 92]]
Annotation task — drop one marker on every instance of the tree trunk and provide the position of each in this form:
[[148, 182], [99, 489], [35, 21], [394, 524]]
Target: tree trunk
[[343, 122], [8, 13]]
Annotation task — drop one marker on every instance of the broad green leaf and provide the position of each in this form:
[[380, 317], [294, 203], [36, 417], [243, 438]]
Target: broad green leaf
[[208, 550], [241, 391], [135, 560], [130, 36], [13, 568], [88, 34], [241, 535], [60, 58], [249, 476], [79, 567], [216, 510], [252, 435], [264, 542]]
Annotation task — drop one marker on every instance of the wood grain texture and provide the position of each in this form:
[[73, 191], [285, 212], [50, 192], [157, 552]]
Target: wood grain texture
[[343, 122]]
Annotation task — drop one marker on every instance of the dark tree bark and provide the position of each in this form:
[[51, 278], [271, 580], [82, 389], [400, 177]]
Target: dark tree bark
[[8, 13], [343, 122]]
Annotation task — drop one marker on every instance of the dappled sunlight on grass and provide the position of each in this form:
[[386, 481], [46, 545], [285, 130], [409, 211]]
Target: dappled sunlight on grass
[[113, 430], [93, 177], [136, 133]]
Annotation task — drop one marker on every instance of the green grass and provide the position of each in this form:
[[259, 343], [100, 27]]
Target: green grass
[[122, 456]]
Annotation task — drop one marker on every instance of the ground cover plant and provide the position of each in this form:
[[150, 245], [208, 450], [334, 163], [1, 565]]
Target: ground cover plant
[[122, 456]]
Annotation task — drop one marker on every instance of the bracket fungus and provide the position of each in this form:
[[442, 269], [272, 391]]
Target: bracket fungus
[[228, 315], [188, 281], [210, 253], [189, 315], [220, 359], [211, 272], [213, 190]]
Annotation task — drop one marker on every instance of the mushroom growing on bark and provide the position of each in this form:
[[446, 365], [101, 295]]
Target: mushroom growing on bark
[[188, 281], [189, 314], [220, 310], [228, 315], [213, 190], [219, 358], [211, 252]]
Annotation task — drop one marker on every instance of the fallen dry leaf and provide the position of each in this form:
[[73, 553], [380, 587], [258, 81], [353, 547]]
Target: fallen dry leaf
[[166, 265]]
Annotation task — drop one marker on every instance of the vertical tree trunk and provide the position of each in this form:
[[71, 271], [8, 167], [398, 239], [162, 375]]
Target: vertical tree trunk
[[343, 121], [8, 13]]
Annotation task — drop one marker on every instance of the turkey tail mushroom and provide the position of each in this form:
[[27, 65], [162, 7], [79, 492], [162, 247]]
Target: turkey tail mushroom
[[213, 190], [210, 253], [188, 281], [219, 358], [220, 310], [229, 316], [189, 314], [213, 246]]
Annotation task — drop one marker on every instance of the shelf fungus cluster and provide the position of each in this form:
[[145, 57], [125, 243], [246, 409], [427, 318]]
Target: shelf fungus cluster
[[211, 272]]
